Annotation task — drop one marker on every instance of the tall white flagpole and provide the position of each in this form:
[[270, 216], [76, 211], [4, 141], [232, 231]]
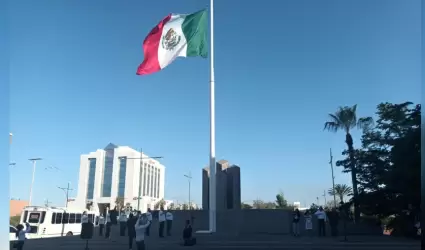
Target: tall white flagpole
[[212, 193]]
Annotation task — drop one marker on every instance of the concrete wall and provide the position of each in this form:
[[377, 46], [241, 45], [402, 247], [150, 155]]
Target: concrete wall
[[16, 207], [256, 221]]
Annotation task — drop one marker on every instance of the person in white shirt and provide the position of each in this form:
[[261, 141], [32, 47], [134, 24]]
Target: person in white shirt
[[308, 222], [169, 219], [140, 227], [161, 219], [321, 218], [149, 216], [20, 235], [123, 223], [101, 224], [108, 225]]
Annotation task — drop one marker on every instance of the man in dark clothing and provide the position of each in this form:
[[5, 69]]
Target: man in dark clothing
[[333, 217], [131, 222], [188, 240]]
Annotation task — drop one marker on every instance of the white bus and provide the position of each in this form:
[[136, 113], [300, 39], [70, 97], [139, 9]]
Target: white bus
[[48, 222]]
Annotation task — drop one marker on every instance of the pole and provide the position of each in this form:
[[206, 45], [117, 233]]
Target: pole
[[324, 196], [190, 204], [212, 198], [189, 178], [333, 177], [34, 161], [140, 180], [66, 190]]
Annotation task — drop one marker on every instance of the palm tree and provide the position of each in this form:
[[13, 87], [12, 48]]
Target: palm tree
[[341, 190], [345, 118]]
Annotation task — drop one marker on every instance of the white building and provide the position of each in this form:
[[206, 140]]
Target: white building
[[119, 171]]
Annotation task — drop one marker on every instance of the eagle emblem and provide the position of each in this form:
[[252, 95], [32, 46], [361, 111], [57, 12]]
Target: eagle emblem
[[170, 40]]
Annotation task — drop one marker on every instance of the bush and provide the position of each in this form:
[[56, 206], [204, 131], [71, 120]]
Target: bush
[[14, 220]]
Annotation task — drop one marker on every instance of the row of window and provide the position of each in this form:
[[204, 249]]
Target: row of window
[[68, 218]]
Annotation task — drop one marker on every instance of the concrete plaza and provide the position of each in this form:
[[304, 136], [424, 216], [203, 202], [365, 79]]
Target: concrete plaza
[[224, 242]]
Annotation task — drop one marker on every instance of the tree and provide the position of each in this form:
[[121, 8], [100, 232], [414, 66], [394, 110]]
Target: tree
[[245, 206], [185, 206], [345, 118], [171, 206], [160, 204], [281, 202], [119, 203], [388, 163], [341, 190], [259, 204]]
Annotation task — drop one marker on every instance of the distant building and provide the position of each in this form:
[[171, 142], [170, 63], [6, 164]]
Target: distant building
[[119, 172], [16, 207], [228, 185]]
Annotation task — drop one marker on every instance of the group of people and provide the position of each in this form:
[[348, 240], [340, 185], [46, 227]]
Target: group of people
[[137, 226], [322, 217]]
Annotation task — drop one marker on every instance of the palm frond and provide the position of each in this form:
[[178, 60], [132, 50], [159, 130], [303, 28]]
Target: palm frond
[[365, 123], [331, 126]]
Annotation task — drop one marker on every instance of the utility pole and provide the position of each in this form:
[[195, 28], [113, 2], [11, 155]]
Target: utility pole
[[333, 177], [317, 198], [34, 161], [189, 178], [66, 190], [141, 158], [324, 196]]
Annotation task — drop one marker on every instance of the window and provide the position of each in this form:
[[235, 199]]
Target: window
[[159, 181], [59, 218], [107, 172], [155, 181], [144, 180], [151, 174], [90, 182], [71, 218], [53, 218], [148, 186], [121, 178], [77, 218], [43, 215], [12, 229], [65, 218], [34, 218]]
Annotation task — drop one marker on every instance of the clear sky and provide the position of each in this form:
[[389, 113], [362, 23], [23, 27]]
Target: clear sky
[[281, 67]]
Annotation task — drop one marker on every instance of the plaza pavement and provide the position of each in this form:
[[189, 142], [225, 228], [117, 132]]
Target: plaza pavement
[[223, 242]]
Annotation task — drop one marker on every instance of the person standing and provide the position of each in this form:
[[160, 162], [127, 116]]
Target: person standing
[[161, 219], [169, 219], [308, 222], [108, 225], [20, 235], [321, 218], [188, 240], [295, 223], [131, 230], [101, 224], [140, 227], [333, 217], [149, 217], [123, 223]]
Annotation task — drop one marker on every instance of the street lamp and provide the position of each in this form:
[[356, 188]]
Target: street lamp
[[189, 178], [34, 161], [10, 138], [66, 191], [139, 196]]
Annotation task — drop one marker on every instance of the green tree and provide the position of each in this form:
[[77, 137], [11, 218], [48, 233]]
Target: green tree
[[160, 204], [14, 220], [119, 203], [388, 164], [345, 118], [185, 206], [245, 206], [341, 190], [260, 204], [281, 202], [171, 206]]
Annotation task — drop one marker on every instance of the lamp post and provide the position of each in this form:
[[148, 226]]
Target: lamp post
[[66, 190], [34, 161], [139, 196], [189, 178], [333, 177]]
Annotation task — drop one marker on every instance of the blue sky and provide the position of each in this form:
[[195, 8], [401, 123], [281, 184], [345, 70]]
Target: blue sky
[[281, 67]]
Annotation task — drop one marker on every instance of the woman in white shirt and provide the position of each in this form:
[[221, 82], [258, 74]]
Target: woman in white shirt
[[308, 222], [140, 227], [20, 235]]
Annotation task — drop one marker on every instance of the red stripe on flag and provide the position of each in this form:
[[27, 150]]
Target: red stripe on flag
[[150, 62]]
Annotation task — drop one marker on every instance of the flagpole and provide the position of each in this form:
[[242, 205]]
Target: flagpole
[[212, 182]]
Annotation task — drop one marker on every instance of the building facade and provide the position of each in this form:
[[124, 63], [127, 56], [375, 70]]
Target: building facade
[[119, 173], [228, 186], [16, 207]]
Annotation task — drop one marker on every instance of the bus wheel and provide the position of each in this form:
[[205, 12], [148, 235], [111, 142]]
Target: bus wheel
[[69, 234]]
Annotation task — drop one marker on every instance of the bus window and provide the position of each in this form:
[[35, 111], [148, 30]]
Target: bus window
[[25, 217], [65, 218], [77, 218], [59, 218], [34, 218], [53, 218], [71, 218]]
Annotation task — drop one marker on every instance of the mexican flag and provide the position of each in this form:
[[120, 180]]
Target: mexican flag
[[176, 35]]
